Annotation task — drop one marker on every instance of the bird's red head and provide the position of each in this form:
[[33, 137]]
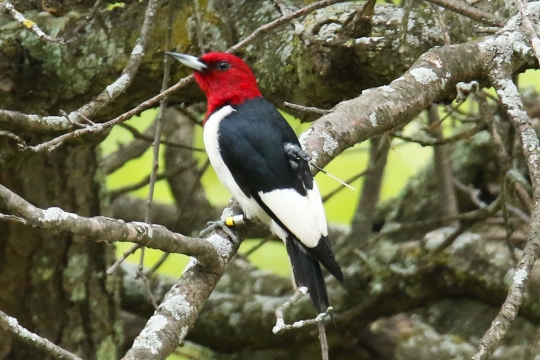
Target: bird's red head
[[225, 79]]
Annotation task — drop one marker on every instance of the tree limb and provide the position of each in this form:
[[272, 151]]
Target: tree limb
[[511, 100], [111, 230], [12, 326]]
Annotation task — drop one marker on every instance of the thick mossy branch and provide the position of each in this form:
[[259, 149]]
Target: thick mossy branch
[[98, 49]]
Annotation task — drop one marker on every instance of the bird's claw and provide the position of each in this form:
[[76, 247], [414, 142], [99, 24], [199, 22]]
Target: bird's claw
[[223, 225]]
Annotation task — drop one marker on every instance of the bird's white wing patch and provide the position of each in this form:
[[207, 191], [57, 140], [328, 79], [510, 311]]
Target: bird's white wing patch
[[302, 215]]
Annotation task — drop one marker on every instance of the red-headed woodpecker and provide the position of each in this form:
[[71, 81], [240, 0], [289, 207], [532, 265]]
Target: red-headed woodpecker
[[258, 158]]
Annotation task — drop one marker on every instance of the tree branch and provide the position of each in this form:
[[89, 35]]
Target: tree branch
[[29, 24], [508, 94], [12, 326], [470, 12], [433, 77], [176, 315], [111, 230]]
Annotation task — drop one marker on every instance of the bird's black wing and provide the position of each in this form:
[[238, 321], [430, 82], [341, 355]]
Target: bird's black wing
[[251, 142]]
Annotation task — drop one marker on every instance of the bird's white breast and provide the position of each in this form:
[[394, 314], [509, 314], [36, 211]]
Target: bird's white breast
[[211, 136]]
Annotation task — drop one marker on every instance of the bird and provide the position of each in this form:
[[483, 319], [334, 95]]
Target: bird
[[258, 158]]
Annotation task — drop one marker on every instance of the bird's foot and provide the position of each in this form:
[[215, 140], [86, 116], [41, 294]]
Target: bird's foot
[[224, 225]]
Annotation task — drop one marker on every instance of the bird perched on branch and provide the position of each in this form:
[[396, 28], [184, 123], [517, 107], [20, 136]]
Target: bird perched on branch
[[258, 158]]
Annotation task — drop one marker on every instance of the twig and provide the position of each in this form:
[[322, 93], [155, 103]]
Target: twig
[[280, 323], [52, 144], [157, 264], [13, 218], [94, 10], [426, 140], [322, 339], [257, 247], [484, 213], [307, 109], [29, 24], [157, 136], [11, 325], [474, 194], [198, 27], [508, 93], [529, 29], [122, 258], [112, 91], [142, 275], [113, 194], [407, 8], [486, 30], [438, 123], [155, 161], [504, 160], [138, 135], [73, 123], [443, 167], [284, 10], [470, 12], [20, 142], [280, 21], [392, 228], [442, 23], [340, 187]]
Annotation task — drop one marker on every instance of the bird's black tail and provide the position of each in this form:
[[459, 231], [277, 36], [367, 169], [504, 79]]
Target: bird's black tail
[[307, 272]]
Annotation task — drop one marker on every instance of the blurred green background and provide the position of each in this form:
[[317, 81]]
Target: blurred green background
[[404, 160]]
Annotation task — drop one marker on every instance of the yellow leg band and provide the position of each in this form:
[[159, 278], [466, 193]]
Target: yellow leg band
[[234, 220]]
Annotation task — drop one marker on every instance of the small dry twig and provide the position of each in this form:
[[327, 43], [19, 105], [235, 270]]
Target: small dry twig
[[470, 12], [113, 194], [280, 322], [155, 160], [138, 135], [307, 109], [529, 28], [11, 325], [474, 194], [508, 93], [29, 24], [426, 140], [13, 218]]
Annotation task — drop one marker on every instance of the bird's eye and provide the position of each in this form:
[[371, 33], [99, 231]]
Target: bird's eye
[[223, 65]]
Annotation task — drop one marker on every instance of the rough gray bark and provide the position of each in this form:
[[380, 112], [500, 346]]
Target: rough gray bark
[[54, 283]]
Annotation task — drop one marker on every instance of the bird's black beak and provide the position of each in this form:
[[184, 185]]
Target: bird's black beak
[[188, 60]]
